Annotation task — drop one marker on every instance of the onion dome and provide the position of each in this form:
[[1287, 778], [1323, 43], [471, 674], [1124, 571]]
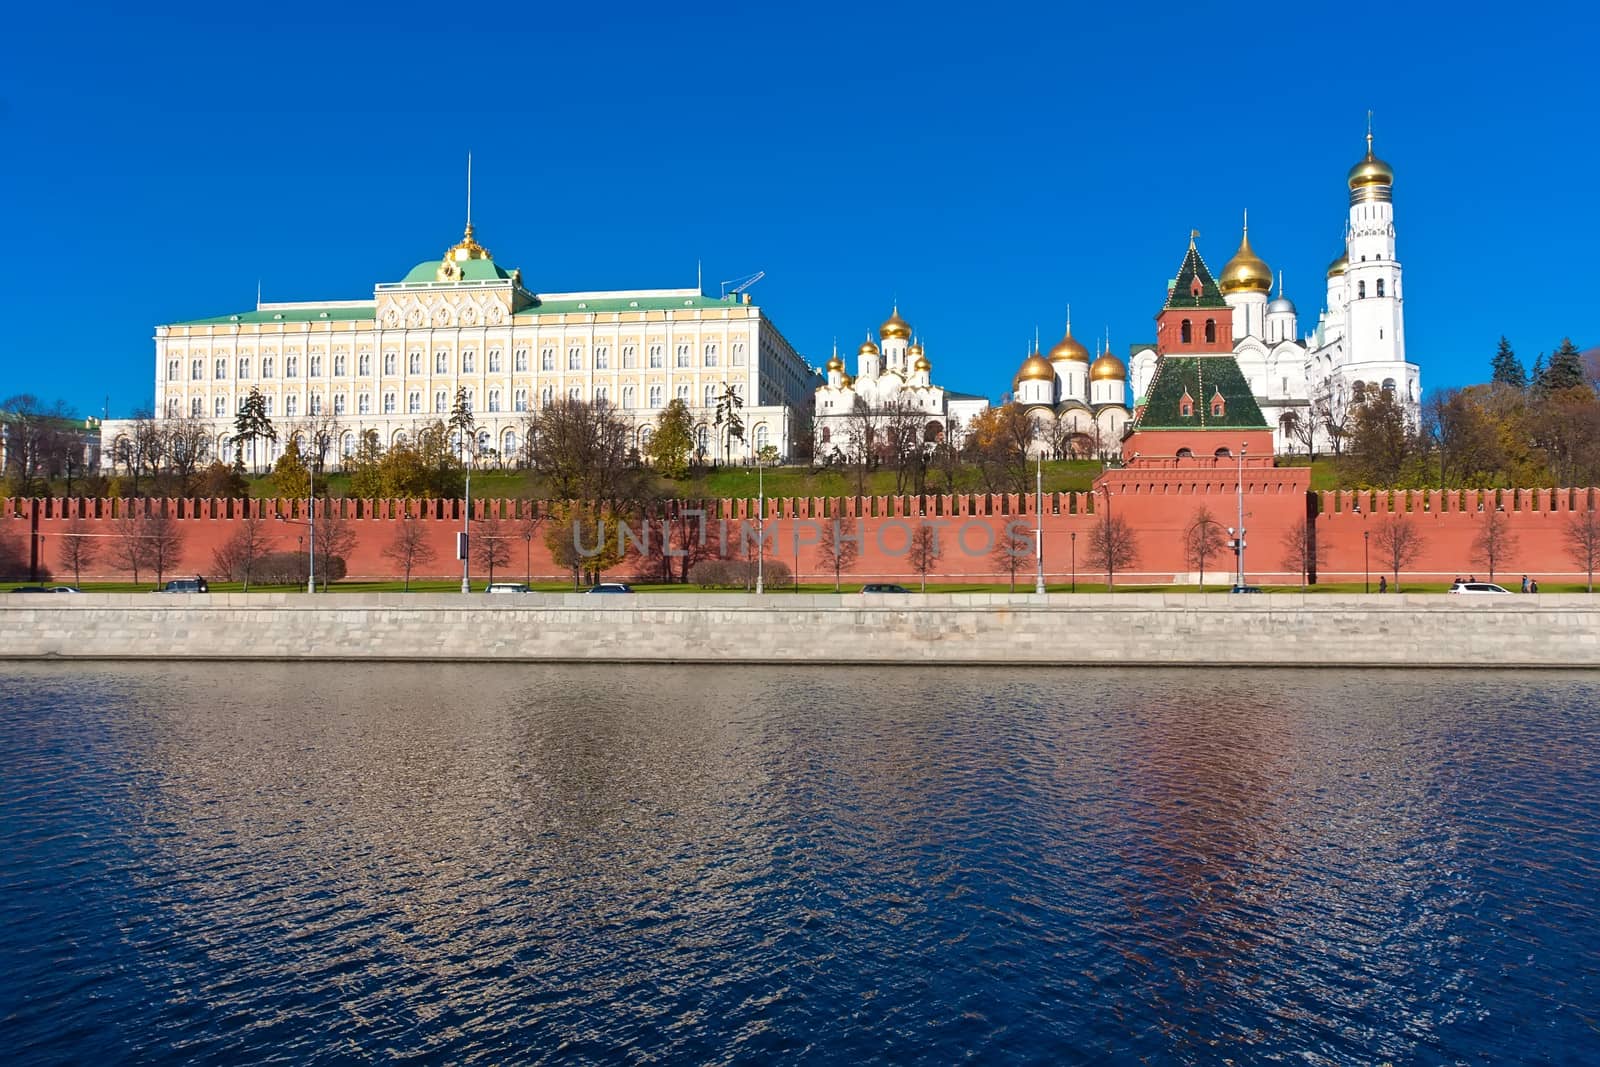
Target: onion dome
[[836, 363], [868, 348], [1282, 305], [915, 349], [1246, 272], [1069, 348], [849, 381], [894, 326], [1371, 171], [1338, 266], [1108, 368], [1036, 369]]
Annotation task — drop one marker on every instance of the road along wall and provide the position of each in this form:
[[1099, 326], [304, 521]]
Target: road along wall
[[1290, 630]]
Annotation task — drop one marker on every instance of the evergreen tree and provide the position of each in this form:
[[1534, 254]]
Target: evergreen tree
[[1536, 377], [1566, 367], [462, 422], [252, 424], [1507, 368]]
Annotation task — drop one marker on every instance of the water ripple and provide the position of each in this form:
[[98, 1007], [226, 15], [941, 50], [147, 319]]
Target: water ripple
[[321, 864]]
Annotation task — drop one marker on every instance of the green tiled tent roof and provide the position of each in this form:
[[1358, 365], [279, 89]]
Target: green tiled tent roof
[[1182, 295], [1202, 377]]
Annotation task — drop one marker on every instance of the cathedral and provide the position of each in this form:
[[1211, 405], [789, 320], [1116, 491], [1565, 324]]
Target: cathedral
[[892, 373], [1080, 407], [1305, 385]]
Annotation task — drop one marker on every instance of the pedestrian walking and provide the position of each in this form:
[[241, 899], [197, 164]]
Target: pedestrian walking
[[1383, 584], [1533, 586], [1524, 583]]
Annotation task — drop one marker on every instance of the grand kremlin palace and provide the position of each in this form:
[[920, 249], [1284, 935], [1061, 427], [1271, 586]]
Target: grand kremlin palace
[[394, 363]]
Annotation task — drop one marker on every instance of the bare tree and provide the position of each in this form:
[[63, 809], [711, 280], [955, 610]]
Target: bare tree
[[1303, 550], [839, 547], [1331, 408], [336, 537], [1582, 535], [864, 428], [1399, 543], [908, 452], [37, 439], [1302, 428], [130, 547], [410, 548], [1202, 541], [78, 549], [165, 538], [924, 551], [490, 546], [319, 438], [236, 559], [1112, 547], [527, 527], [188, 442], [1495, 543], [1013, 549]]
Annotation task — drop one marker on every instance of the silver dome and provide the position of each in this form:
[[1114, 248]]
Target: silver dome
[[1282, 304]]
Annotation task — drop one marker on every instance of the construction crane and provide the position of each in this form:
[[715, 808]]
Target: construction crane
[[741, 284]]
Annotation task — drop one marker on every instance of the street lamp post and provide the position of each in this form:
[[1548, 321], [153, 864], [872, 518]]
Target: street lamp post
[[1038, 526], [1108, 536], [466, 515], [311, 571], [761, 527], [1239, 542], [1074, 561], [1366, 547]]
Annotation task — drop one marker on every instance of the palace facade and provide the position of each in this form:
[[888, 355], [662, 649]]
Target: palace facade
[[394, 363]]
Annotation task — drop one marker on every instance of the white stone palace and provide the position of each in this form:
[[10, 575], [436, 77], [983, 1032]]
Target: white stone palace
[[1358, 342], [892, 376], [394, 362]]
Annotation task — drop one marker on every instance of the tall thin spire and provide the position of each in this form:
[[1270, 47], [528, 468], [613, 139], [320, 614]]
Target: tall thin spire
[[1247, 222], [1069, 320], [469, 190], [1369, 133], [1280, 285], [258, 294]]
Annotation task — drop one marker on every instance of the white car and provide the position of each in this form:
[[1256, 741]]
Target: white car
[[1479, 589], [507, 587]]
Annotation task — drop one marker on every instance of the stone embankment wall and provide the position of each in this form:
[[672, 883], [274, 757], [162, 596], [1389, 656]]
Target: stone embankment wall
[[1290, 630], [1159, 505]]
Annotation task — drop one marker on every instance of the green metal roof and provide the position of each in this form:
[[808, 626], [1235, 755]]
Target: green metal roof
[[1183, 294], [355, 313], [1202, 377], [636, 303], [472, 270]]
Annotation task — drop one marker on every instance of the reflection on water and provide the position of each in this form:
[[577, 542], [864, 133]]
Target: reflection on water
[[566, 864]]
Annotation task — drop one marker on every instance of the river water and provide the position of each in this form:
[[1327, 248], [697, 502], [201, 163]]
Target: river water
[[497, 864]]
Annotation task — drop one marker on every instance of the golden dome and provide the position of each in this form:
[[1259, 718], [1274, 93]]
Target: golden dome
[[1036, 369], [467, 248], [1337, 267], [1108, 368], [1069, 348], [868, 348], [894, 326], [849, 381], [915, 349], [922, 363], [836, 363], [1370, 171], [1246, 272]]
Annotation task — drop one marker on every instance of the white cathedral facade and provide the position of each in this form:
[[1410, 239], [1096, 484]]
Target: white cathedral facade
[[1358, 343], [890, 375]]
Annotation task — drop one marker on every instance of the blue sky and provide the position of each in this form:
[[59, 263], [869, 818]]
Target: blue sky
[[985, 165]]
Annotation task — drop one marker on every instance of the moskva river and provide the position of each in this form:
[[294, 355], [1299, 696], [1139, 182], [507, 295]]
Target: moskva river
[[518, 864]]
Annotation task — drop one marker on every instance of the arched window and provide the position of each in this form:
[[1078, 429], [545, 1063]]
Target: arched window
[[655, 396], [546, 395], [196, 370], [702, 437], [172, 370], [1380, 286], [416, 363], [738, 353], [441, 362], [1184, 453], [683, 393], [547, 359], [683, 355], [602, 358], [221, 368], [711, 355], [1219, 406], [574, 358], [469, 361], [414, 403], [441, 402], [347, 444], [388, 403], [1186, 332], [244, 367], [494, 361], [1388, 386], [508, 443], [710, 396], [338, 404], [316, 367], [1361, 290], [315, 405], [520, 360], [338, 365], [575, 394], [761, 436], [827, 435], [655, 357], [1358, 392], [221, 407], [627, 396], [1211, 331], [1224, 453], [388, 363], [519, 401], [494, 400], [630, 357], [1186, 405]]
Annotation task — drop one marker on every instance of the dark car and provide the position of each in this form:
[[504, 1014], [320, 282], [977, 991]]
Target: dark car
[[1247, 589], [31, 589], [611, 587], [884, 587], [185, 585]]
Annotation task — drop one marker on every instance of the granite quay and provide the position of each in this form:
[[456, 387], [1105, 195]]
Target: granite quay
[[1329, 630]]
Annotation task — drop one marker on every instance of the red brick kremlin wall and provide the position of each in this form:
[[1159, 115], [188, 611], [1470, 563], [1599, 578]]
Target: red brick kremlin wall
[[1160, 504]]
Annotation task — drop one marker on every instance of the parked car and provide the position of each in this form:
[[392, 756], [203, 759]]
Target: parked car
[[185, 585], [31, 589], [1247, 589], [507, 587], [611, 587], [65, 589], [884, 587], [1478, 589]]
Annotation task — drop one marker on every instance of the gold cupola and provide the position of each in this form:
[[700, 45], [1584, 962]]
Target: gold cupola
[[1246, 272], [894, 326], [1371, 178], [868, 348], [1036, 369], [1108, 368], [1069, 347], [1339, 266]]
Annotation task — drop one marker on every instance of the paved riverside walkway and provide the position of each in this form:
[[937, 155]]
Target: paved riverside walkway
[[1282, 629]]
